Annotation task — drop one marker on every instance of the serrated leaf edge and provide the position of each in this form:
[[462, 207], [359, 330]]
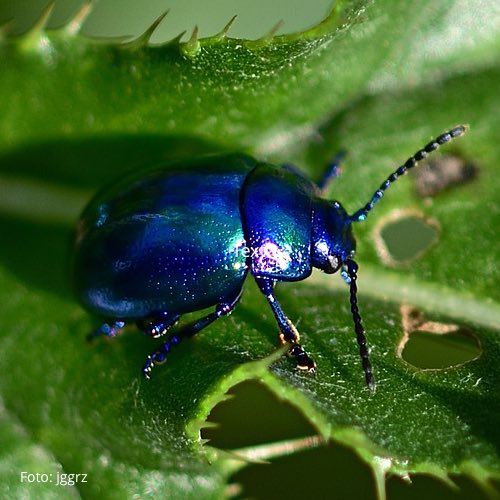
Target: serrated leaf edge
[[377, 459], [35, 36]]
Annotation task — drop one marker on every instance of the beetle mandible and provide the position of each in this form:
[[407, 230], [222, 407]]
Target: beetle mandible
[[164, 243]]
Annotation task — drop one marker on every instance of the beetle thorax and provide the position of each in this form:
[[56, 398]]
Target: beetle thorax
[[332, 238]]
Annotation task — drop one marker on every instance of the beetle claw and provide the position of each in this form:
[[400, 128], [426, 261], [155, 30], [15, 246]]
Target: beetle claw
[[304, 361], [147, 368]]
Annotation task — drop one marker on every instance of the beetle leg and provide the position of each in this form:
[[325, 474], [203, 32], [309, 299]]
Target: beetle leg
[[222, 309], [159, 356], [107, 329], [332, 172], [289, 332], [158, 325]]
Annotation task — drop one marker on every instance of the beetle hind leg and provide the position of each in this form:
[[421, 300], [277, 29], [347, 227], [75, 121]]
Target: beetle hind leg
[[289, 332], [158, 325], [160, 356]]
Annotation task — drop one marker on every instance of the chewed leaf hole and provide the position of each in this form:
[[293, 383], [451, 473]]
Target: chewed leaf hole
[[432, 345], [402, 237], [430, 351], [253, 415], [310, 473], [279, 443]]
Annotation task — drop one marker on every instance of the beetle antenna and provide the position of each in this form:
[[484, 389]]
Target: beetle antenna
[[352, 274], [362, 213]]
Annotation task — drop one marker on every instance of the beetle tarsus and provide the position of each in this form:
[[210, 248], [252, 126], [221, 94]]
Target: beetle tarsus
[[157, 326], [288, 331], [157, 358], [332, 172], [107, 330], [160, 356], [304, 361], [148, 366]]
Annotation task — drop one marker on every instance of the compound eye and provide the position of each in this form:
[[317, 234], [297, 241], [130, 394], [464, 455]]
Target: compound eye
[[333, 264]]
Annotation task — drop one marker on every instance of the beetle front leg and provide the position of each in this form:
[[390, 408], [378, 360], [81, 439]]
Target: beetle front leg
[[289, 332], [160, 356]]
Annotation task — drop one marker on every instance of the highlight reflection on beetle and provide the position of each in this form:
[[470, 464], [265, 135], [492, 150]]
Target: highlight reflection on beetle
[[160, 244]]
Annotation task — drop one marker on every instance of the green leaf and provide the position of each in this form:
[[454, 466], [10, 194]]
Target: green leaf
[[378, 79]]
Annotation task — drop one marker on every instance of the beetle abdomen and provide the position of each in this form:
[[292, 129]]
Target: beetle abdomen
[[169, 242]]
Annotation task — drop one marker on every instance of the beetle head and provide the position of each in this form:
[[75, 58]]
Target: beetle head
[[332, 239]]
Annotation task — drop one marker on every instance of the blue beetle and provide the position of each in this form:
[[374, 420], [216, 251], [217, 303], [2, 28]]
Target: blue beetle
[[164, 243]]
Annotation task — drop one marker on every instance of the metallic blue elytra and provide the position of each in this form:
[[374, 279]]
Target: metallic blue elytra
[[163, 243]]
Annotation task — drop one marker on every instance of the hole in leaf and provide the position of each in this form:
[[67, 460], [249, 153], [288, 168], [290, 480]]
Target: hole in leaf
[[443, 172], [254, 416], [428, 350], [432, 345], [331, 471], [403, 237]]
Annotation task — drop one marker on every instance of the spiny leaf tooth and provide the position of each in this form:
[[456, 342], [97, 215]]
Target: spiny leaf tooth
[[197, 427], [380, 466], [75, 24], [438, 473], [383, 464], [476, 473], [240, 457], [273, 30], [209, 425], [143, 40], [35, 37], [226, 397], [192, 46], [223, 33], [268, 451], [486, 486], [332, 21], [267, 38]]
